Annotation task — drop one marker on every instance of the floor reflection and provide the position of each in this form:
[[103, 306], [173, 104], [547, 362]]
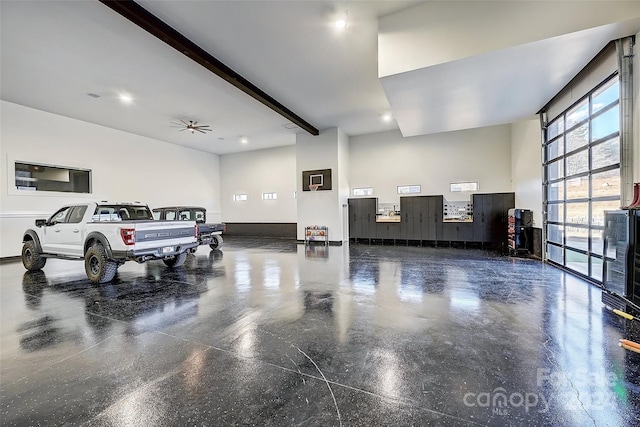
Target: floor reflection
[[265, 332]]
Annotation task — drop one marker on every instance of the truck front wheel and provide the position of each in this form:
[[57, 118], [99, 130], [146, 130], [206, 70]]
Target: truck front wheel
[[176, 261], [31, 258], [216, 242], [98, 267]]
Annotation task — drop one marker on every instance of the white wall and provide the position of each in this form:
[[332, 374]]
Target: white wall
[[526, 167], [124, 167], [255, 172], [385, 160]]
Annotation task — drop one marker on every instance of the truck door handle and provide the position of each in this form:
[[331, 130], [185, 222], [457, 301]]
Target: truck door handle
[[57, 230], [76, 230]]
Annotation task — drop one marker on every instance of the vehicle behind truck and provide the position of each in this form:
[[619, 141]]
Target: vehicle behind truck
[[106, 235], [208, 234]]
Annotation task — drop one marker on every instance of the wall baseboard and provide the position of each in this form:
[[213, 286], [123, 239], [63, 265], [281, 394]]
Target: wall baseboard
[[262, 229]]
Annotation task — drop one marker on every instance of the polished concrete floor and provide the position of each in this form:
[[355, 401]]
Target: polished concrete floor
[[281, 334]]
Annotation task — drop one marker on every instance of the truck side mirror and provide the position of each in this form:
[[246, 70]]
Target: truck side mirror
[[41, 222]]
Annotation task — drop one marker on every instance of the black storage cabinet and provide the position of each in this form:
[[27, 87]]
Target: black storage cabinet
[[490, 218], [362, 218], [621, 267]]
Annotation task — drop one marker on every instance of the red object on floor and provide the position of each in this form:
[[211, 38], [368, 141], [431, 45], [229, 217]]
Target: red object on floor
[[635, 203]]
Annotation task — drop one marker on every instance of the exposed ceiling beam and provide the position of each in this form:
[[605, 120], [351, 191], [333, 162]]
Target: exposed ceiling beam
[[149, 22]]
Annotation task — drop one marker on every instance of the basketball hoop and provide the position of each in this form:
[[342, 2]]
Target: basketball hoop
[[314, 187]]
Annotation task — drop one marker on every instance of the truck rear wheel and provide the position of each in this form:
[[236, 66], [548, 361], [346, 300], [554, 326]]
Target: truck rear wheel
[[176, 261], [31, 258], [216, 242], [98, 267]]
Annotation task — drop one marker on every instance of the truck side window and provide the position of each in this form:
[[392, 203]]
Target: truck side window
[[170, 215], [59, 216], [77, 214]]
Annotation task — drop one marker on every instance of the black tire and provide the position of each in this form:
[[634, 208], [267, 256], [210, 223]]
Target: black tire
[[175, 261], [98, 267], [216, 242], [31, 258]]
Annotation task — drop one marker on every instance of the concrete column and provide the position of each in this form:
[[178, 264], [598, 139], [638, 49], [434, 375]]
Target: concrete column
[[329, 150]]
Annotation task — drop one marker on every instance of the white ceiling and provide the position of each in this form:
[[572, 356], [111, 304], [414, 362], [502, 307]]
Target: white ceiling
[[54, 53]]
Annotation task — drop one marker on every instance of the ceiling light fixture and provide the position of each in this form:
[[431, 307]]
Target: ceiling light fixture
[[125, 98], [244, 139], [343, 21], [386, 117]]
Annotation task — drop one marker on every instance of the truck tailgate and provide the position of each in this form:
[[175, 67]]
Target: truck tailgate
[[154, 234]]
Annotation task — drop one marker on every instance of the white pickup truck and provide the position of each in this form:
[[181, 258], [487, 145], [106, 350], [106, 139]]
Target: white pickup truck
[[105, 235]]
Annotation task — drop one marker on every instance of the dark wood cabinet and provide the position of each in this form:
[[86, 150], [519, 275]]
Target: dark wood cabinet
[[482, 214], [388, 230], [490, 218], [421, 220], [421, 217], [409, 219], [502, 202], [457, 231], [433, 214], [362, 218]]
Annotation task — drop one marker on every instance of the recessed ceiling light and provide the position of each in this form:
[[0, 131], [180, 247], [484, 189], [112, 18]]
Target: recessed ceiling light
[[342, 21], [386, 117], [244, 139], [125, 98]]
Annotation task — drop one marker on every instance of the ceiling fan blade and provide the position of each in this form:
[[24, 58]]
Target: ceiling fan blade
[[200, 130], [182, 129]]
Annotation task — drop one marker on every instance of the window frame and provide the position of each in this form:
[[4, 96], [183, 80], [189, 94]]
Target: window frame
[[572, 248]]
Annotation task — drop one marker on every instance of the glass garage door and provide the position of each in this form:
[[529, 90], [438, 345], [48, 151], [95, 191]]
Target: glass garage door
[[582, 179]]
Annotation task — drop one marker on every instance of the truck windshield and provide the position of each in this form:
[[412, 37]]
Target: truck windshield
[[122, 213]]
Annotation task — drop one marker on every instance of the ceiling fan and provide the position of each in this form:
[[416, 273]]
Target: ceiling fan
[[192, 126]]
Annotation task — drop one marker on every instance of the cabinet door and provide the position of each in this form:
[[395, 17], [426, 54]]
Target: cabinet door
[[427, 225], [406, 226], [394, 231], [353, 217], [482, 217], [438, 206], [382, 230], [465, 232], [361, 212], [502, 202], [369, 215], [412, 218], [449, 232]]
